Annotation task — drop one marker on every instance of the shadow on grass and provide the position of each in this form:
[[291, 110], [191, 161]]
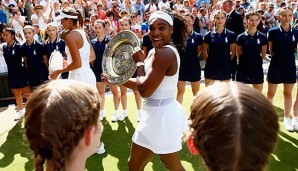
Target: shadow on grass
[[195, 161], [280, 113], [285, 154], [185, 156], [16, 143], [117, 144]]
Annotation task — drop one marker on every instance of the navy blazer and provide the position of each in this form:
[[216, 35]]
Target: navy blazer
[[234, 23]]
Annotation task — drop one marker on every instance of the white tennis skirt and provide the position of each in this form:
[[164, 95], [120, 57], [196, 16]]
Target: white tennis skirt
[[161, 126]]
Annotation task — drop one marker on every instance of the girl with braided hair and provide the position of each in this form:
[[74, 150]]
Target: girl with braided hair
[[61, 124], [233, 126]]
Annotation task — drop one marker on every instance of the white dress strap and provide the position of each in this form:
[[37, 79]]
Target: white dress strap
[[177, 55]]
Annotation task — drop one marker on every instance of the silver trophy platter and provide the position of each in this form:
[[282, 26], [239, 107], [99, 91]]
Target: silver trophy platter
[[117, 60]]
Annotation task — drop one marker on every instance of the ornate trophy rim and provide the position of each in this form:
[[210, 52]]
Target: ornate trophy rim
[[117, 60]]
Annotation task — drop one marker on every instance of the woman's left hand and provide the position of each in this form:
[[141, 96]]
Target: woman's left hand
[[65, 63], [53, 75]]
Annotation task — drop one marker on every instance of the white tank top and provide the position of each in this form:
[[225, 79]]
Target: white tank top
[[168, 86], [84, 51]]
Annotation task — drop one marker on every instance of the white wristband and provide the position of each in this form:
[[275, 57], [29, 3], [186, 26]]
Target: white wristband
[[140, 64]]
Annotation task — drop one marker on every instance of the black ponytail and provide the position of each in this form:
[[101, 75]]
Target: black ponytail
[[80, 18], [73, 12], [180, 33]]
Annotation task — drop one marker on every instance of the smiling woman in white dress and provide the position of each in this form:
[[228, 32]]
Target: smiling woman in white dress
[[163, 119]]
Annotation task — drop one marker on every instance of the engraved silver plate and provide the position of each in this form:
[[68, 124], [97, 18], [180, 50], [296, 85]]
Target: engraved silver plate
[[117, 60]]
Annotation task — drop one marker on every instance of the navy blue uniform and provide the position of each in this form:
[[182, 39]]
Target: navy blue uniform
[[99, 48], [190, 68], [234, 23], [37, 72], [147, 43], [59, 45], [249, 69], [218, 64], [282, 68], [16, 69], [196, 26]]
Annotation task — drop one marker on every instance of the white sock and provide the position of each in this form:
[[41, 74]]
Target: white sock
[[115, 112], [102, 111], [124, 111]]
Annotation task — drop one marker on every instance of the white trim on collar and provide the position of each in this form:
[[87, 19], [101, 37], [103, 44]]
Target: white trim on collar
[[291, 29], [246, 33], [214, 31]]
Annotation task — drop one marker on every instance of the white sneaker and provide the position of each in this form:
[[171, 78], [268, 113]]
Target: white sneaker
[[288, 125], [100, 149], [295, 124], [115, 117], [20, 115], [101, 115], [121, 117], [124, 113], [139, 116]]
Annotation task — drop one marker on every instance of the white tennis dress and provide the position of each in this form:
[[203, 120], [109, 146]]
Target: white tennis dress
[[84, 74], [163, 118]]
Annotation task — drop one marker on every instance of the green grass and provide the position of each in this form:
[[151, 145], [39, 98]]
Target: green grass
[[16, 156]]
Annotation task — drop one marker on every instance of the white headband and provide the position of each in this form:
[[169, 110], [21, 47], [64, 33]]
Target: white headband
[[28, 27], [63, 15], [161, 15]]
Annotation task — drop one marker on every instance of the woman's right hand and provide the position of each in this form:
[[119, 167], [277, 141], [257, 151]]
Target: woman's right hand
[[138, 55], [104, 78]]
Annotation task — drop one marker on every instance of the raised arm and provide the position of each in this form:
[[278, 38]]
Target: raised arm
[[164, 63], [73, 40]]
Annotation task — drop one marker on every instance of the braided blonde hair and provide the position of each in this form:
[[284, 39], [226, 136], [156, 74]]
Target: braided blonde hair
[[57, 116]]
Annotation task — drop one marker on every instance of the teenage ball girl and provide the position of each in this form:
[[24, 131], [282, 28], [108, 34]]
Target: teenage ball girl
[[99, 45], [16, 71], [219, 48], [35, 59], [251, 50], [282, 69], [54, 43], [190, 68]]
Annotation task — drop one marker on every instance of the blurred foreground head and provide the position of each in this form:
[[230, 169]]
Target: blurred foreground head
[[61, 123], [234, 127]]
